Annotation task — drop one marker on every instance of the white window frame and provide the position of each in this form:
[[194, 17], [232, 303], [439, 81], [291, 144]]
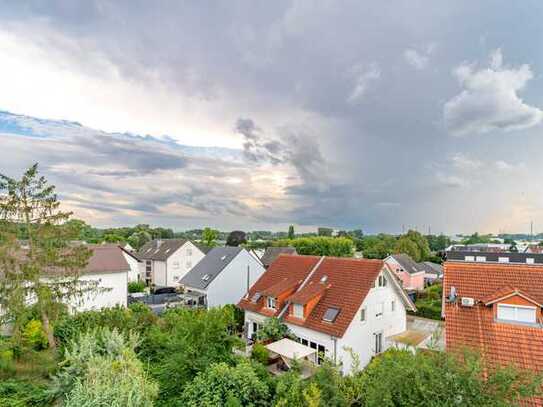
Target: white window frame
[[515, 307], [271, 302], [380, 310], [503, 259], [296, 308], [393, 306], [381, 281]]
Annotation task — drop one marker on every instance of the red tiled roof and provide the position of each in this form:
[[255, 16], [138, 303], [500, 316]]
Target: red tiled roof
[[281, 286], [348, 281], [475, 327], [507, 292], [307, 293]]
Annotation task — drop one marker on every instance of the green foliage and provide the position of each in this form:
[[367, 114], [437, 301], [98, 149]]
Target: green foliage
[[20, 393], [33, 336], [289, 390], [184, 343], [325, 231], [136, 287], [377, 247], [240, 385], [403, 378], [137, 317], [438, 243], [477, 238], [113, 238], [236, 238], [429, 301], [139, 238], [100, 368], [209, 237], [272, 330], [291, 232], [260, 353], [407, 246], [320, 246], [7, 365]]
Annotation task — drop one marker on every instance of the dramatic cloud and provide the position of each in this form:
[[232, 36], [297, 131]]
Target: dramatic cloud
[[489, 100], [324, 113]]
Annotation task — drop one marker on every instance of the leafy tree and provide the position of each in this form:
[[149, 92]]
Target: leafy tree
[[477, 239], [320, 246], [272, 330], [113, 238], [325, 231], [421, 243], [101, 369], [139, 238], [260, 353], [438, 243], [236, 238], [136, 287], [239, 385], [209, 237], [407, 246], [47, 267], [378, 247], [291, 232], [404, 378]]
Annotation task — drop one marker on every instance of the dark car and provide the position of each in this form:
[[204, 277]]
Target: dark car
[[164, 290]]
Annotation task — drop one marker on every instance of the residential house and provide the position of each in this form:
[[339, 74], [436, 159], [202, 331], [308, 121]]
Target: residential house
[[334, 305], [272, 253], [487, 257], [432, 271], [408, 271], [495, 308], [223, 276], [134, 264], [165, 262]]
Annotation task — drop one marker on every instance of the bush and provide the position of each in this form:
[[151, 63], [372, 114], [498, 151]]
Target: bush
[[320, 246], [136, 287], [260, 353], [272, 330], [18, 393], [7, 365], [33, 336]]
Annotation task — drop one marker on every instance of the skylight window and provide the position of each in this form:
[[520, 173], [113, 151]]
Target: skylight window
[[168, 250], [256, 297], [324, 279], [331, 314], [223, 258], [205, 277]]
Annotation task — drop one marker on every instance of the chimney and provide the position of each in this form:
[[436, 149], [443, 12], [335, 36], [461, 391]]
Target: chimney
[[159, 243]]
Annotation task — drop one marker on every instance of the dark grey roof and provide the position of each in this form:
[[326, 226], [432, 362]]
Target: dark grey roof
[[407, 263], [210, 267], [203, 248], [432, 268], [272, 253], [494, 257], [160, 249]]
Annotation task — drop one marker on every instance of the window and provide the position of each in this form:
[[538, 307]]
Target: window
[[516, 313], [271, 302], [175, 264], [380, 309], [330, 314], [298, 311], [305, 342], [205, 277], [363, 314], [378, 342], [503, 259], [469, 258], [189, 252], [530, 260], [393, 306], [382, 281], [480, 258], [321, 352]]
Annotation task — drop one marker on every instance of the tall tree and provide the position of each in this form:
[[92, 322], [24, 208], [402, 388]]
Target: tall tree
[[44, 270], [291, 232], [209, 237], [236, 238]]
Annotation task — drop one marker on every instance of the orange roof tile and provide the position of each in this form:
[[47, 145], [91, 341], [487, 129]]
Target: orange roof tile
[[281, 286], [475, 327], [307, 293]]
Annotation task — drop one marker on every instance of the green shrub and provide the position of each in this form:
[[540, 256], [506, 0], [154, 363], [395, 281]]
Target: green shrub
[[7, 365], [136, 287], [260, 353], [272, 330], [33, 336], [18, 393], [320, 246]]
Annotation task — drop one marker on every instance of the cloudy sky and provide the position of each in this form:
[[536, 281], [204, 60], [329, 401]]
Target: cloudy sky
[[258, 114]]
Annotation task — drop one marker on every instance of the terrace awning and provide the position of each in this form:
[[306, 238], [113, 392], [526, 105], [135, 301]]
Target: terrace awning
[[289, 349]]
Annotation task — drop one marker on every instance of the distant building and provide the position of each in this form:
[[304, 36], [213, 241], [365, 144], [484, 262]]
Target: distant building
[[494, 257], [165, 262], [271, 254], [223, 276], [407, 270], [480, 247]]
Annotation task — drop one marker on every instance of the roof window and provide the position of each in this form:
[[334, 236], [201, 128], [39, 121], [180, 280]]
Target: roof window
[[256, 297], [205, 277], [331, 314], [223, 257], [503, 259], [530, 260], [324, 279]]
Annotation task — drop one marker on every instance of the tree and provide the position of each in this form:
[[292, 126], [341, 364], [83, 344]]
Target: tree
[[421, 243], [139, 238], [407, 246], [378, 247], [438, 243], [236, 238], [238, 385], [422, 378], [272, 330], [291, 232], [320, 246], [325, 231], [101, 368], [43, 271], [209, 237]]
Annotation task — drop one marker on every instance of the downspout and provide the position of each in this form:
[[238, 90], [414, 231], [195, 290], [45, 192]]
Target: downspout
[[334, 339]]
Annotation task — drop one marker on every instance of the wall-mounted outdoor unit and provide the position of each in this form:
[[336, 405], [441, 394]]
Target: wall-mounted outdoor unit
[[468, 302]]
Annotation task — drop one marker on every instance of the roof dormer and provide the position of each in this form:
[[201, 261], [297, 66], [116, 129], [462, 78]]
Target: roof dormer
[[304, 300], [511, 305]]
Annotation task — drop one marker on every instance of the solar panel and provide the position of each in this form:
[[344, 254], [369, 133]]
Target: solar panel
[[331, 314]]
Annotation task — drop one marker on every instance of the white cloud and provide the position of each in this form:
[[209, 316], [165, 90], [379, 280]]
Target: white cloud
[[463, 162], [418, 59], [489, 99], [363, 77]]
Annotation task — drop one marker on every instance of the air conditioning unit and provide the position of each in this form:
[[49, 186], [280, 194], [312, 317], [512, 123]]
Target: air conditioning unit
[[468, 302]]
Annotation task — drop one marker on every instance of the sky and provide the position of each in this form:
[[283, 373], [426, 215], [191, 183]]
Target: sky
[[256, 114]]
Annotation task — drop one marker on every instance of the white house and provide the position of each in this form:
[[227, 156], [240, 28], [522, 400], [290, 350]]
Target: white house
[[334, 305], [223, 276], [165, 262], [134, 263]]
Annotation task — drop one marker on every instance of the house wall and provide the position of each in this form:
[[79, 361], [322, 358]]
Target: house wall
[[414, 281], [159, 273], [134, 273], [360, 336], [181, 262], [117, 292], [231, 284], [517, 300]]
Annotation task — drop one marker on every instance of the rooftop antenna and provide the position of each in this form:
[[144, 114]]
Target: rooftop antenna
[[531, 230]]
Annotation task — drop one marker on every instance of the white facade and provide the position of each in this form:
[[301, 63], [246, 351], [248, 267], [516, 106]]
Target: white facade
[[360, 337], [168, 273], [231, 283], [134, 273], [115, 291]]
